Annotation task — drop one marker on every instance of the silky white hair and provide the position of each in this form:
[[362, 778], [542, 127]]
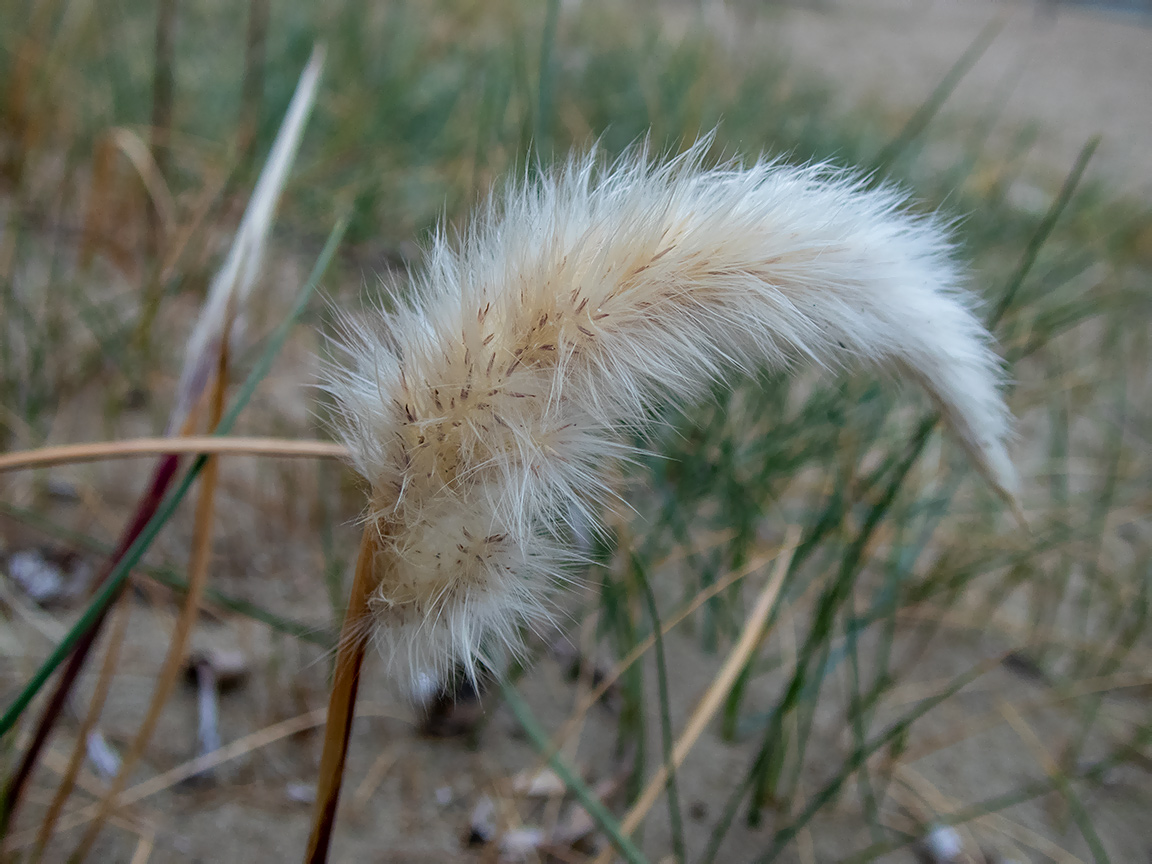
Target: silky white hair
[[492, 401]]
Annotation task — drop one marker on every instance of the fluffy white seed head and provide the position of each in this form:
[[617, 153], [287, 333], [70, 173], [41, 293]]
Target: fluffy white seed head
[[490, 403]]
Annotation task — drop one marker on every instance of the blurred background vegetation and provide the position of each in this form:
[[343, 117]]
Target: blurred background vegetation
[[928, 663]]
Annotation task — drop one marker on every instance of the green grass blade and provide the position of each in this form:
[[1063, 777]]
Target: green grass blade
[[543, 125], [575, 785], [675, 819], [919, 121], [1044, 231]]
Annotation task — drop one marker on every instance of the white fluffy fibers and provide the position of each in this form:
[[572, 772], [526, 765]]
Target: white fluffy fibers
[[490, 403]]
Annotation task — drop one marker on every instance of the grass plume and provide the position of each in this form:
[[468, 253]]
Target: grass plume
[[491, 404]]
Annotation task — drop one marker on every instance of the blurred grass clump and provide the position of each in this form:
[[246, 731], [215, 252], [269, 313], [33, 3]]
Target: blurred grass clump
[[132, 132]]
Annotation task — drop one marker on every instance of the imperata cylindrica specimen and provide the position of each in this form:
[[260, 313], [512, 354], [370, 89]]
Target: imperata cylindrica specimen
[[488, 405]]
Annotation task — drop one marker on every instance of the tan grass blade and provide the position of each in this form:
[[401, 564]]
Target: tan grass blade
[[375, 776], [716, 692], [137, 152], [143, 849], [597, 692], [232, 285], [197, 579], [95, 706], [193, 444], [342, 703]]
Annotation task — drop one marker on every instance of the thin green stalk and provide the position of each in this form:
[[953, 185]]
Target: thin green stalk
[[547, 81], [919, 121], [1080, 817], [831, 601], [1044, 230], [616, 615], [599, 813], [675, 819], [859, 724]]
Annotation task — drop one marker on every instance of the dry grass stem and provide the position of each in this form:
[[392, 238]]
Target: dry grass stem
[[342, 702], [376, 773], [940, 804], [143, 849], [137, 153], [1030, 739], [934, 801], [65, 454]]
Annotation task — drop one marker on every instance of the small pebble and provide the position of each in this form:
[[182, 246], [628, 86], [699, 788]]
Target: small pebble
[[538, 784], [38, 577], [444, 796], [520, 844], [301, 793], [102, 756], [482, 823], [943, 845]]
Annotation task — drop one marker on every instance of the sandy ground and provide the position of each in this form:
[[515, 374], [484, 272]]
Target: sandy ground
[[1076, 72]]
